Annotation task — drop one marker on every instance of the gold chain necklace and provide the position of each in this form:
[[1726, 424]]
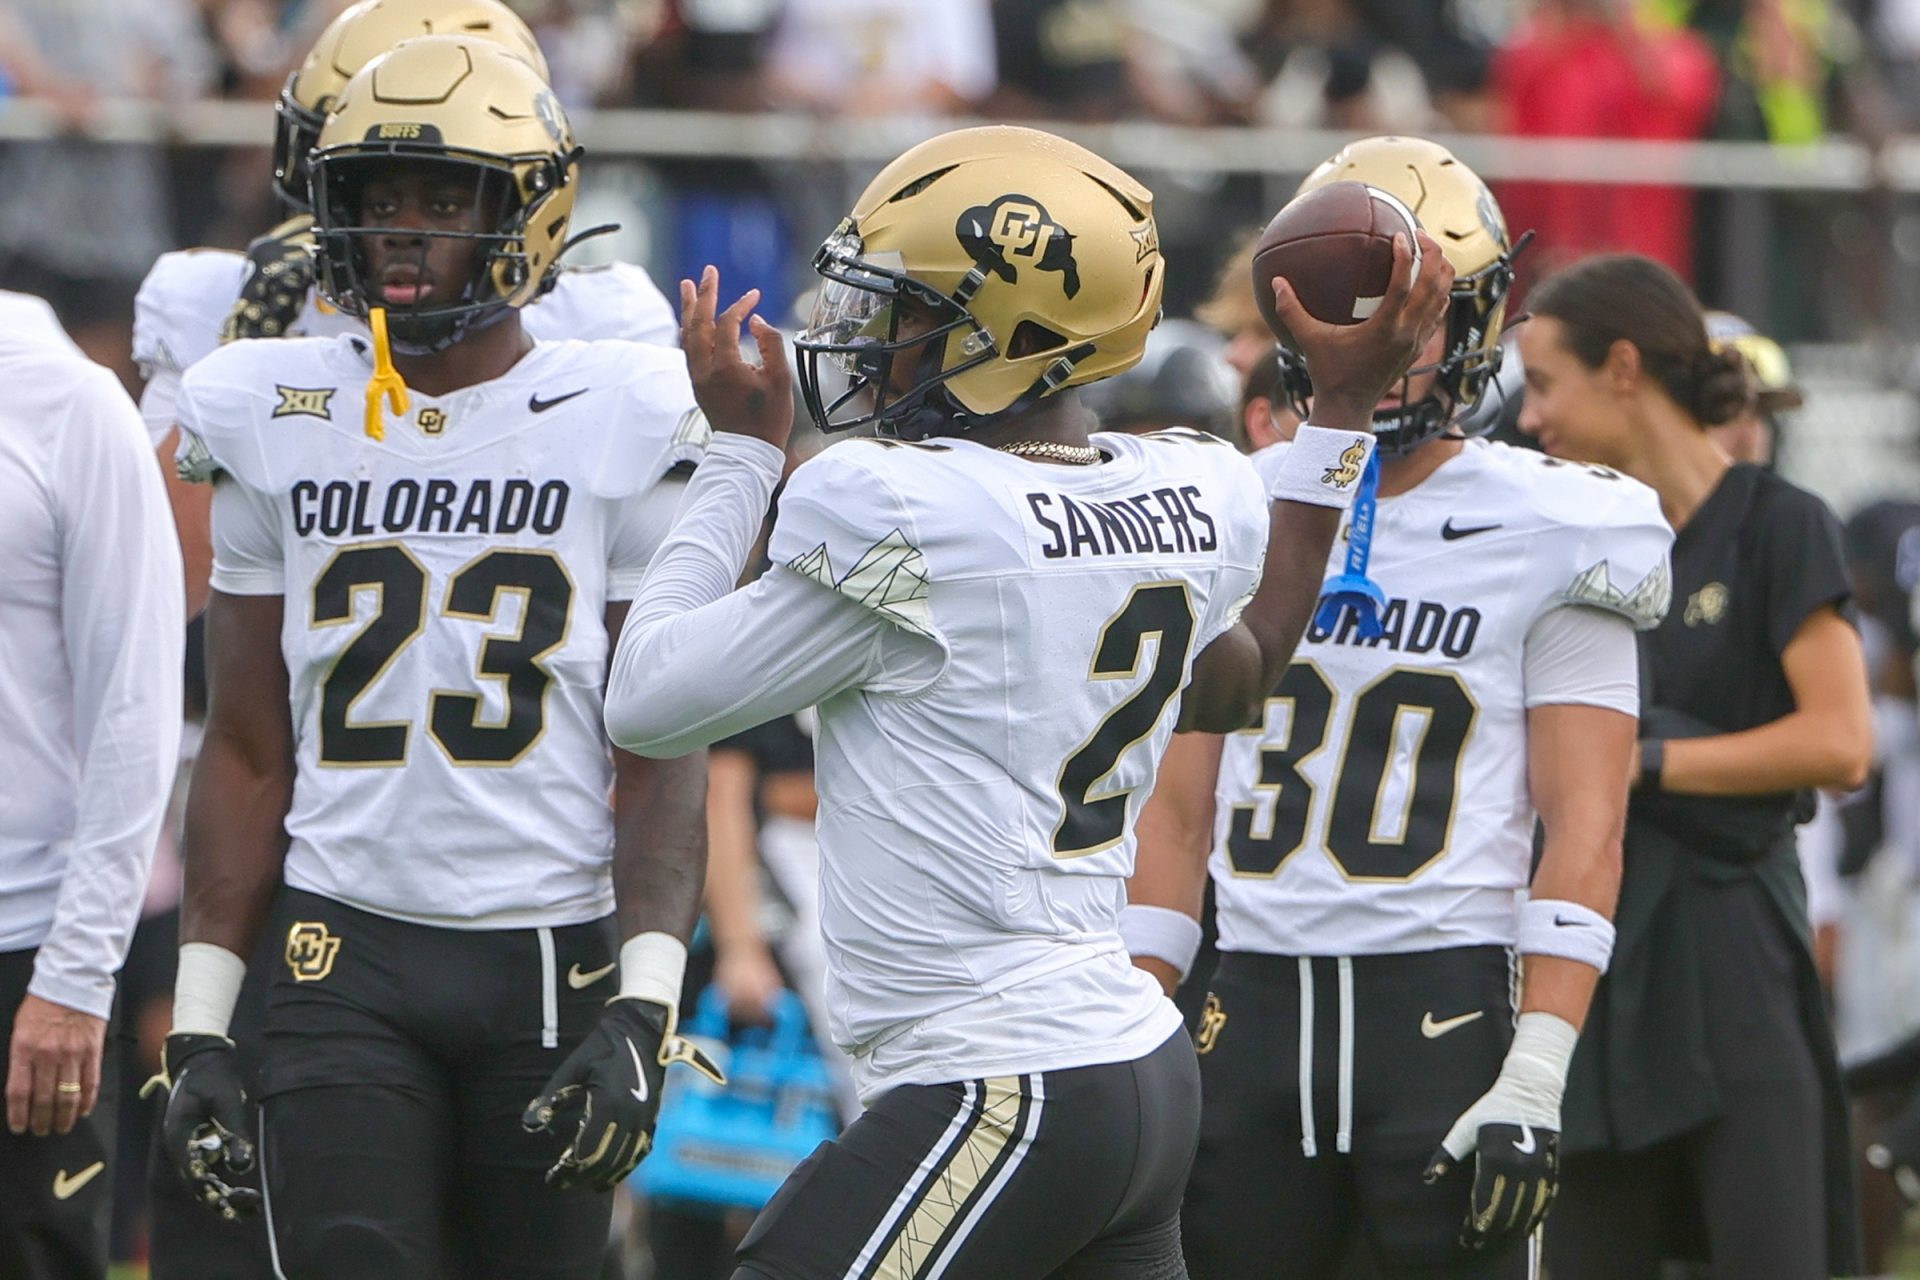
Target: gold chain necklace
[[1079, 455]]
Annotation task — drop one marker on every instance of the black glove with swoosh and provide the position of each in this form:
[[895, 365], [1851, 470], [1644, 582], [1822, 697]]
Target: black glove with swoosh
[[612, 1083], [204, 1128], [1513, 1134]]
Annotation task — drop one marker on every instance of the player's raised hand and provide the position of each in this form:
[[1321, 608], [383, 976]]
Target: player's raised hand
[[1354, 365], [738, 397]]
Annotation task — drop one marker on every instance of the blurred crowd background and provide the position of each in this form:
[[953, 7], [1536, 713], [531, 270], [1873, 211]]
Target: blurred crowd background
[[1808, 226], [1789, 72], [1811, 232]]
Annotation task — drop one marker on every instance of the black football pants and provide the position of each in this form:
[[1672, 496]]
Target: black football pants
[[399, 1058], [56, 1192]]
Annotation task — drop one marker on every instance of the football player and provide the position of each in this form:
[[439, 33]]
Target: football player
[[1370, 838], [1000, 617], [194, 299], [421, 556]]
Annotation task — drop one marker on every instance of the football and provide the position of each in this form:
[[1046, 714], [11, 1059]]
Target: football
[[1334, 245]]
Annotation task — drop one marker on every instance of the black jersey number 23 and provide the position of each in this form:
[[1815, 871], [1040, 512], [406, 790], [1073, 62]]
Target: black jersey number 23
[[453, 717]]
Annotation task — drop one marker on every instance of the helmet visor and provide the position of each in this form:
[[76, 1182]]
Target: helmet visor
[[877, 340], [857, 312]]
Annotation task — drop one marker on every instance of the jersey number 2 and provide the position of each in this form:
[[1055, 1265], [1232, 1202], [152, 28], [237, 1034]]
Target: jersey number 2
[[1091, 821], [453, 718]]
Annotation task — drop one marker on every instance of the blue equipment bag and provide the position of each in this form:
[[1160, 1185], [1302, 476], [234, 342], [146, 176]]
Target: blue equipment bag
[[731, 1147]]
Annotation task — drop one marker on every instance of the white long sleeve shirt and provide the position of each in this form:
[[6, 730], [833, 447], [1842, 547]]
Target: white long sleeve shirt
[[92, 626]]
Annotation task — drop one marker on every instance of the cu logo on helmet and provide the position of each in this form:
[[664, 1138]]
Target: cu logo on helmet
[[1017, 226]]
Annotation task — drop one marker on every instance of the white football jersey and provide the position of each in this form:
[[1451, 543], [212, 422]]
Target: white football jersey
[[1382, 804], [185, 299], [976, 832], [445, 596]]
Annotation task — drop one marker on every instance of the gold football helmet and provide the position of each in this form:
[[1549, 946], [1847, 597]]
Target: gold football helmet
[[1024, 264], [361, 33], [1456, 209], [473, 106], [1773, 384]]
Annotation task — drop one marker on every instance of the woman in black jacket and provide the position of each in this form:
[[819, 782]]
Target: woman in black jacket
[[1703, 1112]]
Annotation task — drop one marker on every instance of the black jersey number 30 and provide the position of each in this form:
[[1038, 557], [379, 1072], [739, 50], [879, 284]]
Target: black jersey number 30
[[453, 718], [1091, 820], [1444, 715]]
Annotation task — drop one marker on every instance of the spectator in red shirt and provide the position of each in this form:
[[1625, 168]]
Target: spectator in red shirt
[[1594, 69]]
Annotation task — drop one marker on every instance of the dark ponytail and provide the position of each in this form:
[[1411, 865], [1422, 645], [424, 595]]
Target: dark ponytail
[[1618, 297]]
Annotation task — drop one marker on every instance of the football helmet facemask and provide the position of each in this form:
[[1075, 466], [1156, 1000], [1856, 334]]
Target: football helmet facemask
[[1455, 208], [1021, 263], [473, 107], [356, 37]]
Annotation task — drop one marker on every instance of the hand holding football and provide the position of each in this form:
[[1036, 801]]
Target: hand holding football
[[1334, 245]]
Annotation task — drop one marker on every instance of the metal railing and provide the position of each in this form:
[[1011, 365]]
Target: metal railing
[[1837, 164]]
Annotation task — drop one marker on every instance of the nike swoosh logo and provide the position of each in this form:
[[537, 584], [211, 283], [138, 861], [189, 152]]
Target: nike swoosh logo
[[536, 405], [578, 980], [1526, 1144], [1433, 1030], [639, 1073], [1452, 534], [66, 1185], [1563, 923]]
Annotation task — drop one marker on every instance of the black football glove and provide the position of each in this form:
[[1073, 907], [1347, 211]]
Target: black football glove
[[204, 1129], [279, 275], [612, 1082], [1512, 1132], [1516, 1174]]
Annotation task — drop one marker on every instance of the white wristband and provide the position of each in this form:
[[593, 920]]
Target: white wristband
[[1160, 932], [205, 989], [1322, 467], [1557, 927], [652, 967]]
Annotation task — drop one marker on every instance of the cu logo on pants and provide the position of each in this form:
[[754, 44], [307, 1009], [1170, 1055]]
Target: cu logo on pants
[[310, 950]]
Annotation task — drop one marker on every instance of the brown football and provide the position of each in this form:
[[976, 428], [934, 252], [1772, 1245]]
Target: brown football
[[1334, 245]]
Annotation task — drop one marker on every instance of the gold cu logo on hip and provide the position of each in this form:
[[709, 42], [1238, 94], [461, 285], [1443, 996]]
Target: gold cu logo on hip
[[310, 950], [1212, 1019]]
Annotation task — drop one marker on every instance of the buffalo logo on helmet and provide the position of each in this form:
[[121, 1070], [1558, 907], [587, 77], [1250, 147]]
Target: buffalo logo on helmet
[[1017, 226]]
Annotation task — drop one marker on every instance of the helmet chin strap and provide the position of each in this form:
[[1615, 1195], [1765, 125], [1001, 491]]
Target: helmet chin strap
[[386, 380]]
